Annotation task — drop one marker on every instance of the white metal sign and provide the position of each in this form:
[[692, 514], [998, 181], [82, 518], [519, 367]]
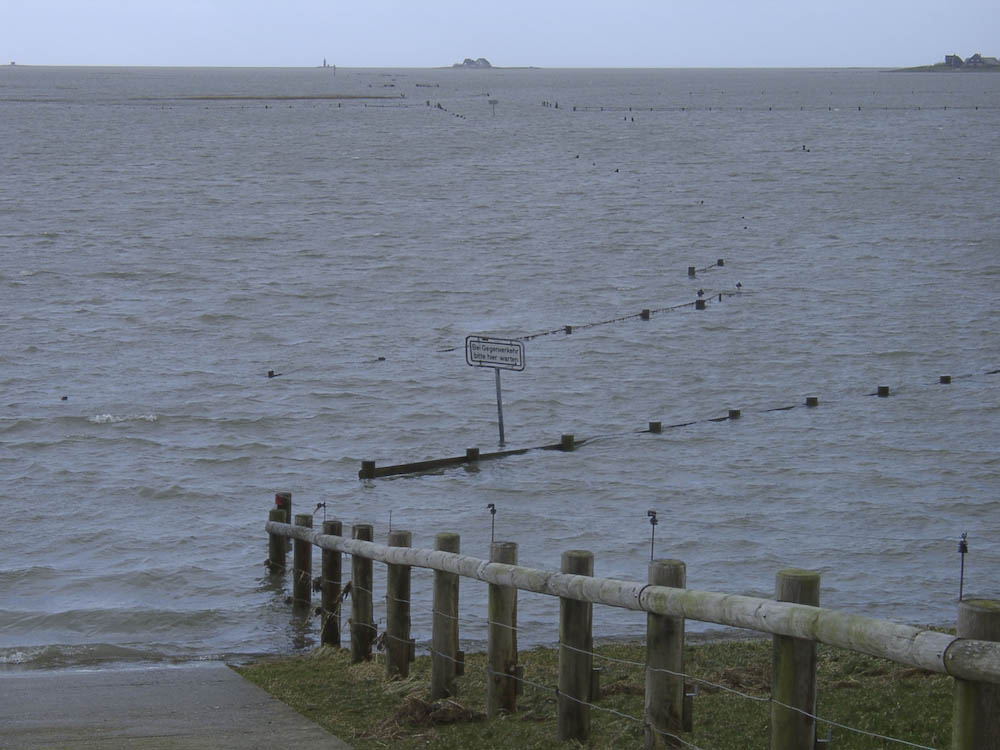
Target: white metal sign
[[484, 351], [500, 354]]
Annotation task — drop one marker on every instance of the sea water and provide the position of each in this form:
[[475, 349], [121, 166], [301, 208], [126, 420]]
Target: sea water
[[169, 236]]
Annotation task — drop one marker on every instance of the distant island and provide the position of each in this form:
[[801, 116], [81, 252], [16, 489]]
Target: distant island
[[976, 62], [468, 62]]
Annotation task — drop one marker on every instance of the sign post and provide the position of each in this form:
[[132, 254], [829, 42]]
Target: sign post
[[500, 354]]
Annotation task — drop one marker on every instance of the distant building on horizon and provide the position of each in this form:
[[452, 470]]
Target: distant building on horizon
[[973, 61]]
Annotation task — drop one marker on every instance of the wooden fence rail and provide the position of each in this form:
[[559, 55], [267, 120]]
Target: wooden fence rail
[[972, 657]]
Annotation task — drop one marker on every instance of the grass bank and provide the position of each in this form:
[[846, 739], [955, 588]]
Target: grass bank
[[357, 703]]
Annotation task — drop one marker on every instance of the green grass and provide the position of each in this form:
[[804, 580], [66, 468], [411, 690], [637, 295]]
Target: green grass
[[358, 704]]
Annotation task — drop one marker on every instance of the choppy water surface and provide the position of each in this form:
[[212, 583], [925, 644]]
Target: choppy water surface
[[164, 248]]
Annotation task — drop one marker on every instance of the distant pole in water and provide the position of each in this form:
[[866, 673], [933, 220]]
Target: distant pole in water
[[651, 515], [963, 549]]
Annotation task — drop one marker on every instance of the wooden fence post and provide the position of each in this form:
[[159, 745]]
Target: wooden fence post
[[501, 688], [302, 566], [331, 586], [576, 661], [283, 501], [444, 639], [362, 624], [276, 544], [397, 608], [665, 651], [977, 704], [793, 682]]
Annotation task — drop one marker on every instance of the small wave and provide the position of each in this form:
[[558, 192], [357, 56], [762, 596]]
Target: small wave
[[86, 655], [116, 419]]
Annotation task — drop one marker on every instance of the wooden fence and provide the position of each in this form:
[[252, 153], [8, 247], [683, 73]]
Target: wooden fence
[[972, 657]]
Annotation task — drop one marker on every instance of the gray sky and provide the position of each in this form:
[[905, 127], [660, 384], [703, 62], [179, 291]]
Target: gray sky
[[546, 33]]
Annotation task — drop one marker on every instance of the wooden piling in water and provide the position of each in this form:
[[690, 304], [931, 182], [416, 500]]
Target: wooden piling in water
[[276, 545], [331, 586], [977, 704], [576, 660], [664, 707], [283, 500], [501, 688], [397, 606], [302, 566], [444, 638], [362, 623], [793, 682]]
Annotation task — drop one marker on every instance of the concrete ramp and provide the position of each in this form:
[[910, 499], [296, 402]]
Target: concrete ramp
[[206, 705]]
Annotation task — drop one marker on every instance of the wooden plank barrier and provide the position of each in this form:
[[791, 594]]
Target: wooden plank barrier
[[369, 469], [972, 657]]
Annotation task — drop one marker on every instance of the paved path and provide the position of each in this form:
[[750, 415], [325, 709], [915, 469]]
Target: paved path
[[206, 705]]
